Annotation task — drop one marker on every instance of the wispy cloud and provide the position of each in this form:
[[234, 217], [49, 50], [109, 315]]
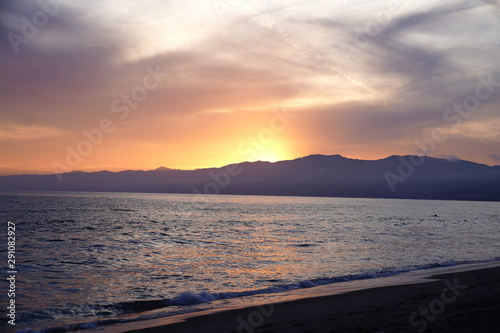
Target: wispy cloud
[[21, 132], [227, 71], [494, 157]]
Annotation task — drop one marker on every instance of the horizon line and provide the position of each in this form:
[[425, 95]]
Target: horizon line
[[49, 173]]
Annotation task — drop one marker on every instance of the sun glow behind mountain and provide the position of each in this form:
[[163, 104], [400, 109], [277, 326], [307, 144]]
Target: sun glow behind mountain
[[188, 84]]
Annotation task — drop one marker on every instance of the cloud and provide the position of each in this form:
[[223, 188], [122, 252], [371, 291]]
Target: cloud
[[373, 98], [53, 78], [448, 157], [422, 51], [494, 157], [20, 132]]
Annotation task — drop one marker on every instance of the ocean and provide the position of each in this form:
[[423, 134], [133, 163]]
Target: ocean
[[86, 260]]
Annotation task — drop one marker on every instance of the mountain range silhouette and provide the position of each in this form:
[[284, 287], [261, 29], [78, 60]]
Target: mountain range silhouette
[[412, 177]]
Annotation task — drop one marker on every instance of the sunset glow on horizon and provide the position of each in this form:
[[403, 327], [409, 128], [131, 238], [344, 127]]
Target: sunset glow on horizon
[[108, 85]]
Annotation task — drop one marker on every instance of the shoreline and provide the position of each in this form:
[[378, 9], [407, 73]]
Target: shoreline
[[17, 192], [387, 304]]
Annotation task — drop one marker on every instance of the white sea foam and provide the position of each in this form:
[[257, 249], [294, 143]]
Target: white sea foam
[[155, 252]]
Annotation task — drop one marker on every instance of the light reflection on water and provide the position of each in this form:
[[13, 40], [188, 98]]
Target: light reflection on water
[[81, 254]]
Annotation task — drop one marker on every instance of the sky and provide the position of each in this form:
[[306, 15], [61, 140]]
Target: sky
[[116, 85]]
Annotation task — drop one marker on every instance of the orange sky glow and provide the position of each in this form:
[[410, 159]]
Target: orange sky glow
[[116, 85]]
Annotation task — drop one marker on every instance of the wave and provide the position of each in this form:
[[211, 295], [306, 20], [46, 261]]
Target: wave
[[189, 298]]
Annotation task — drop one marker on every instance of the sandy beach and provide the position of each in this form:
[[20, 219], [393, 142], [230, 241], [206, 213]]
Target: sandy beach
[[457, 301]]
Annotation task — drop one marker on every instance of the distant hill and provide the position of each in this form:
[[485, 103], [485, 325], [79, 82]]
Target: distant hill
[[314, 175]]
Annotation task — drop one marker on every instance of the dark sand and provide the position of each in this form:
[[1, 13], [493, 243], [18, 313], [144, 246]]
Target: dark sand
[[384, 309]]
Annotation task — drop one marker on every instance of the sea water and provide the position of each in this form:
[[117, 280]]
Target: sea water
[[86, 260]]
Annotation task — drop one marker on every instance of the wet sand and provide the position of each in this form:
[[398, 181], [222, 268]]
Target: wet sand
[[462, 301]]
